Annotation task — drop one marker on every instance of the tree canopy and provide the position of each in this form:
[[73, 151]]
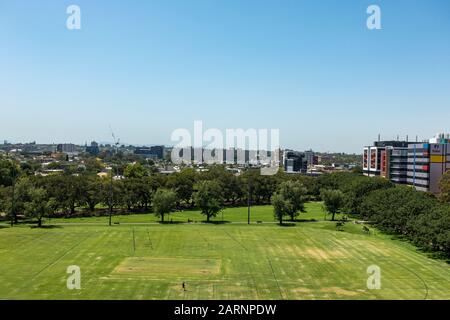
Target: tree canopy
[[164, 201], [208, 198]]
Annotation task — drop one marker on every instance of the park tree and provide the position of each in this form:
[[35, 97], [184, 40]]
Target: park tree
[[226, 179], [293, 194], [431, 230], [262, 187], [135, 193], [15, 198], [393, 209], [135, 170], [39, 204], [4, 197], [444, 187], [333, 201], [91, 195], [357, 187], [414, 215], [208, 198], [28, 168], [157, 181], [337, 180], [129, 198], [310, 183], [66, 190], [164, 202], [233, 187], [183, 183], [111, 192], [93, 165], [280, 207], [9, 172], [145, 192]]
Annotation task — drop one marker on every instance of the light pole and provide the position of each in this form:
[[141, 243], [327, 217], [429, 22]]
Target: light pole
[[111, 196], [13, 214], [248, 201], [12, 204]]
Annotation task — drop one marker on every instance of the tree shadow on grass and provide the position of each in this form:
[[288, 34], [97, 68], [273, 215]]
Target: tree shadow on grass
[[287, 224], [216, 222], [306, 220], [437, 255], [171, 222], [4, 226], [51, 226]]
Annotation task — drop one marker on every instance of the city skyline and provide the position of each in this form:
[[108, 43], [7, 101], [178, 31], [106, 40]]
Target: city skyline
[[314, 71], [407, 138]]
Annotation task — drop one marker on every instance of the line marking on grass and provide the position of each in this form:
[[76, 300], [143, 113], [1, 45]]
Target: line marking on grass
[[134, 241], [54, 262], [229, 235], [417, 275], [276, 280], [149, 240], [62, 256]]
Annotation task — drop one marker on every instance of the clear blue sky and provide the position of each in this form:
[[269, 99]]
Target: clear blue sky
[[310, 68]]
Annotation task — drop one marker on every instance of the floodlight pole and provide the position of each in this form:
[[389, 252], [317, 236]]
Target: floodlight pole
[[13, 214], [111, 196], [248, 202], [12, 203]]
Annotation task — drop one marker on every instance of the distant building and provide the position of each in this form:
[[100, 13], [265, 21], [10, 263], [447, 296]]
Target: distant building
[[93, 149], [386, 158], [156, 152], [66, 148], [427, 162], [420, 165], [294, 162], [394, 163], [311, 158]]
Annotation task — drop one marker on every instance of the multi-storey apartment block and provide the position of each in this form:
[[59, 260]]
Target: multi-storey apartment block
[[386, 159], [420, 165]]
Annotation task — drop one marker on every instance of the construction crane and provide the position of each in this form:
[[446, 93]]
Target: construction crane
[[116, 142]]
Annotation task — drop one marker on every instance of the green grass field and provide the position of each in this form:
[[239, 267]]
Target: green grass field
[[258, 213], [140, 259]]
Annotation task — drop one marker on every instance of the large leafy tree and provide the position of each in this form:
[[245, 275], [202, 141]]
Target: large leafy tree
[[67, 190], [208, 198], [3, 198], [414, 215], [280, 207], [432, 230], [293, 194], [358, 187], [183, 183], [333, 200], [164, 201], [16, 206], [444, 186], [114, 188], [9, 171], [39, 205], [393, 209], [91, 195], [135, 193], [135, 170], [261, 187], [93, 165]]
